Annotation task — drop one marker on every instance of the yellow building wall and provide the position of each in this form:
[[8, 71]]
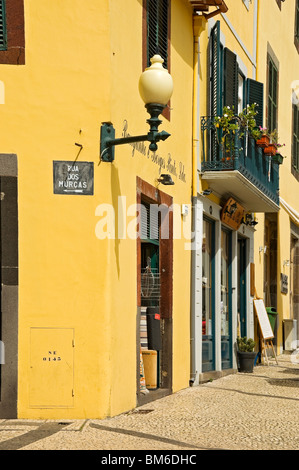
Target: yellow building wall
[[281, 45], [239, 34], [129, 163], [83, 62]]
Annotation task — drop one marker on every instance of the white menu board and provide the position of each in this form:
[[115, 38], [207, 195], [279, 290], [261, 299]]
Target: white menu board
[[263, 319]]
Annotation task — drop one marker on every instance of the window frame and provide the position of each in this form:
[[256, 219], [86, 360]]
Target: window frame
[[166, 112], [272, 101], [295, 138], [3, 31], [296, 26], [219, 79], [14, 52]]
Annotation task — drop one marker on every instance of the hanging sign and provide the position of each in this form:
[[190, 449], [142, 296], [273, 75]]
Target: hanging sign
[[232, 214], [74, 178]]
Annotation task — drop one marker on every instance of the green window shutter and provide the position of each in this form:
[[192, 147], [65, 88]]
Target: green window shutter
[[3, 39], [215, 72], [272, 95], [255, 94], [295, 149], [157, 29], [230, 79], [297, 20]]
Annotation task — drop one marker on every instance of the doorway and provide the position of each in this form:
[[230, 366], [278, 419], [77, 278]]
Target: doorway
[[242, 287], [270, 265], [226, 299], [294, 275], [154, 293], [208, 296], [9, 286]]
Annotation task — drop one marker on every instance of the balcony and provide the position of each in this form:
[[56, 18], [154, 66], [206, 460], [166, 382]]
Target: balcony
[[233, 166]]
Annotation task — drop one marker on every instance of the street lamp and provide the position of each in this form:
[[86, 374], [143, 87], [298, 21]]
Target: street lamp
[[155, 88]]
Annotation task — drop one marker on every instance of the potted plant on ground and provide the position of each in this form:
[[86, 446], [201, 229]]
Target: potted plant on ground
[[246, 354]]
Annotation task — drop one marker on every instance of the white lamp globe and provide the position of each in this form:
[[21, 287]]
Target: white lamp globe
[[156, 84]]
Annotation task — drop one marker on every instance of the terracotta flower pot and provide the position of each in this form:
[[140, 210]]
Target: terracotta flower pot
[[271, 149], [263, 142]]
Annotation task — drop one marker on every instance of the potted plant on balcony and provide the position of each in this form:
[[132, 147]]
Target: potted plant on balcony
[[264, 140], [229, 125], [243, 124], [246, 354], [270, 145], [278, 158], [248, 124], [271, 148]]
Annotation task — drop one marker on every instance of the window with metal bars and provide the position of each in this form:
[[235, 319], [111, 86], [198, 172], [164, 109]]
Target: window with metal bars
[[3, 39], [157, 29], [295, 146], [272, 95]]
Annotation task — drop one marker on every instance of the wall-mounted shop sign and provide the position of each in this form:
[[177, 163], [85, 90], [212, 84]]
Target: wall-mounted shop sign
[[73, 178], [284, 283], [232, 214]]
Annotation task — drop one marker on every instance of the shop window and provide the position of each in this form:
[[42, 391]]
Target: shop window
[[12, 32]]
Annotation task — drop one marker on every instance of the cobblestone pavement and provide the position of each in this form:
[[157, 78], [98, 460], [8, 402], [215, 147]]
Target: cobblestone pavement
[[257, 411]]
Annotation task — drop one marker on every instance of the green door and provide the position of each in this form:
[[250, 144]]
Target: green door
[[226, 299], [242, 288], [208, 296]]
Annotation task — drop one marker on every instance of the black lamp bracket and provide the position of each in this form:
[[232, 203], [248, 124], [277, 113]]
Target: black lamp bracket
[[108, 140]]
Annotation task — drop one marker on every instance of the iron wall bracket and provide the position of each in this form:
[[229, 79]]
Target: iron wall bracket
[[108, 140]]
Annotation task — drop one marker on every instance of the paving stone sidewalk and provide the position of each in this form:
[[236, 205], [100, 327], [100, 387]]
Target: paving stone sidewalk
[[258, 411]]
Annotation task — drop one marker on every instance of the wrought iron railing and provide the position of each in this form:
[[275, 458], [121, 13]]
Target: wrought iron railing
[[238, 151]]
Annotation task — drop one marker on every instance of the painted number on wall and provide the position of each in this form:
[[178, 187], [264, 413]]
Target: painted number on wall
[[52, 356]]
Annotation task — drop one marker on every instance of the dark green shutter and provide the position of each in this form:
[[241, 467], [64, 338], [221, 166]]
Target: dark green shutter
[[295, 149], [297, 20], [230, 80], [157, 29], [215, 73], [3, 40], [216, 78], [272, 95], [255, 94]]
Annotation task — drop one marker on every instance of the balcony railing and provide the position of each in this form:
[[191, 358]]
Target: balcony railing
[[237, 152]]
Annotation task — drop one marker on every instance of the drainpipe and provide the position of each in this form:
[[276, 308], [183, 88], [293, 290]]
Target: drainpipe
[[255, 37], [199, 24]]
